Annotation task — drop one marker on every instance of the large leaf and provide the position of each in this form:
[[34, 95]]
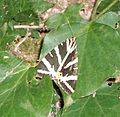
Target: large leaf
[[20, 94], [54, 38], [99, 57], [98, 50], [104, 104], [66, 25], [68, 17]]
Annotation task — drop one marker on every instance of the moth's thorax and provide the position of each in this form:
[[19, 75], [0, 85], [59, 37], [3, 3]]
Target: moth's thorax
[[57, 76]]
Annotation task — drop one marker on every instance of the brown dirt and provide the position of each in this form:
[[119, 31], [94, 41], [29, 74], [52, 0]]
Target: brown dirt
[[60, 5]]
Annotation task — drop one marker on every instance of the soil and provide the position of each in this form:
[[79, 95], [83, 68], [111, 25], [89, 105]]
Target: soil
[[61, 5]]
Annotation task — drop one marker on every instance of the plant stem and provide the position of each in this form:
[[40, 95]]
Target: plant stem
[[96, 4], [106, 9], [26, 37], [26, 27]]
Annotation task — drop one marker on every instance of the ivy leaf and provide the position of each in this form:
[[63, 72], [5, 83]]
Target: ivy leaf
[[20, 93], [104, 104]]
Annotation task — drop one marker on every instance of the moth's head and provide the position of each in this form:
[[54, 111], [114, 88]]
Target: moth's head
[[58, 76]]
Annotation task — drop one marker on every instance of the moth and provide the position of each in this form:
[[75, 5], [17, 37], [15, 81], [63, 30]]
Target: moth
[[61, 65]]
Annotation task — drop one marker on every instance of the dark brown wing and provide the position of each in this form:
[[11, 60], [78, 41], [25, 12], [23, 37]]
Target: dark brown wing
[[62, 59]]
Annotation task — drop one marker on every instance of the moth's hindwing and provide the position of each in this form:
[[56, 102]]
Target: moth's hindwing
[[61, 65]]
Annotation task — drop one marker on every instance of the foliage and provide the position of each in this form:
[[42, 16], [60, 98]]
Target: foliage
[[105, 104], [20, 93], [98, 48]]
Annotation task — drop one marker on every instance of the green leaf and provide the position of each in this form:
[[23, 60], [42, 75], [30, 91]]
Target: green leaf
[[24, 11], [56, 37], [8, 11], [7, 35], [71, 15], [66, 28], [20, 93], [105, 4], [109, 18], [41, 5], [98, 51], [104, 104], [98, 57], [55, 21], [22, 17]]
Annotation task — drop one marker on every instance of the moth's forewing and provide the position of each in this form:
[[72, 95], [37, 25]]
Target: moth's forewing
[[51, 62]]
